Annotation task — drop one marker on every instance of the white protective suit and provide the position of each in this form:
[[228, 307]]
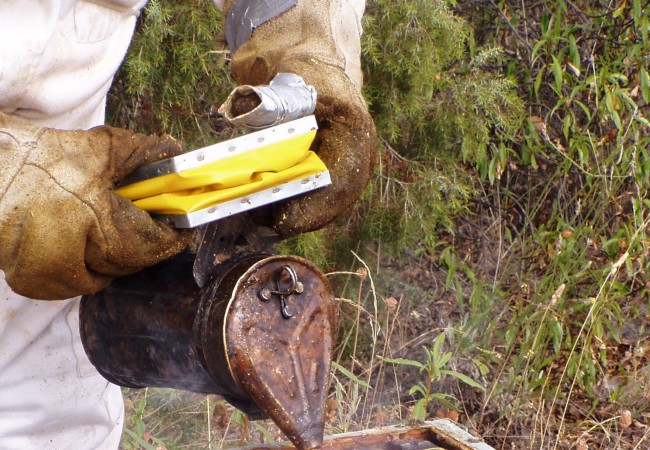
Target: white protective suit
[[57, 61]]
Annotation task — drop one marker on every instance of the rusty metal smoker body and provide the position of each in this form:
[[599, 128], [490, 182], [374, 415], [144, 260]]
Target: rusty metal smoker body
[[260, 334]]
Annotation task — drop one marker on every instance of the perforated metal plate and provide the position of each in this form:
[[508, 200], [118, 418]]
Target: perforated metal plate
[[239, 205]]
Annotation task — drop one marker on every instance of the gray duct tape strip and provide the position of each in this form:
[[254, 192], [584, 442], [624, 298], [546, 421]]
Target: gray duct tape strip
[[246, 15], [286, 98]]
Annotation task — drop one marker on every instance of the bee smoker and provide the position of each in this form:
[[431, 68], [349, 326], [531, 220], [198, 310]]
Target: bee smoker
[[260, 334]]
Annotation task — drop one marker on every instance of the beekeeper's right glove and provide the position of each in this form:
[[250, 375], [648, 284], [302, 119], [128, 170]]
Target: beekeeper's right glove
[[318, 40], [63, 232]]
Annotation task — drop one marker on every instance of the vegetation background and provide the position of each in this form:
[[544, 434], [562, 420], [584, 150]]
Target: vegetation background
[[495, 271]]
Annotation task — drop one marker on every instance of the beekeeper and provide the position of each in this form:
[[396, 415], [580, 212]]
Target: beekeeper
[[64, 233]]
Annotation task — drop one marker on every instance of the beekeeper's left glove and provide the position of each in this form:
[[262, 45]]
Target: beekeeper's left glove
[[63, 232]]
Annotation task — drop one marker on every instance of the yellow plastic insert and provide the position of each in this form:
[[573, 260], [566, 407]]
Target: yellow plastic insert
[[227, 179]]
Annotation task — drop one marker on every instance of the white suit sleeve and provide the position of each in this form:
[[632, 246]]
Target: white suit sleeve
[[58, 58]]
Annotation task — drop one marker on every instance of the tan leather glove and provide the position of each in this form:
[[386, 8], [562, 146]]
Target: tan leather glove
[[318, 40], [63, 232]]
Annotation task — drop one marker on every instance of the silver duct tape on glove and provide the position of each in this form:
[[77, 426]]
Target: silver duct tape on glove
[[286, 98]]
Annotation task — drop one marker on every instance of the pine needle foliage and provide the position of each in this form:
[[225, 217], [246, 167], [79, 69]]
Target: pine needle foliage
[[427, 84], [176, 68], [407, 47], [440, 111]]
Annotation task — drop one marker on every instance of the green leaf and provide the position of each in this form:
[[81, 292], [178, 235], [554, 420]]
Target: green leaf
[[556, 68], [492, 170], [557, 333], [620, 10], [536, 49], [350, 375], [418, 389], [139, 427], [403, 362], [533, 161], [419, 409], [443, 360], [609, 103], [464, 378], [444, 400], [536, 383], [538, 82], [642, 120], [617, 77], [138, 440], [437, 345], [574, 52], [637, 10], [483, 368], [567, 126], [584, 108], [645, 84]]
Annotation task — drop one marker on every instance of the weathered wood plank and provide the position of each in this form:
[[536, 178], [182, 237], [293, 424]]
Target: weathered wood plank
[[441, 434]]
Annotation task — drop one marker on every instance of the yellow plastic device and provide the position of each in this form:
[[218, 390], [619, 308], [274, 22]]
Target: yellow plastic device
[[232, 176]]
